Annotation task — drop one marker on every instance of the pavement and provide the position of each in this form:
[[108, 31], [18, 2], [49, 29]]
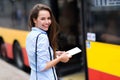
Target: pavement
[[76, 76], [10, 72]]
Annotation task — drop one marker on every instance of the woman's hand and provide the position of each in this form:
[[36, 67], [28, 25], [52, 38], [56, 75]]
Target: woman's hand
[[63, 56], [58, 53]]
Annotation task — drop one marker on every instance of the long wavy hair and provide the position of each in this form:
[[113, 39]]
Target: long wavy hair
[[54, 27]]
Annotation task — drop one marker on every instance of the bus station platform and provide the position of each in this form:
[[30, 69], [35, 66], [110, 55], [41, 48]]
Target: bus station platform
[[75, 76], [10, 72]]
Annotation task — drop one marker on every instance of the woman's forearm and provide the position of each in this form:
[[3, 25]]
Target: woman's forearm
[[52, 63]]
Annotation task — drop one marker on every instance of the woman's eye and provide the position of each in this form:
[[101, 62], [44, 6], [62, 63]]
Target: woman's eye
[[49, 18], [42, 18]]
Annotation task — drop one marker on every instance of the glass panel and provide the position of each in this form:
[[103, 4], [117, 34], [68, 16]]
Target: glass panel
[[16, 12], [104, 23], [69, 22], [5, 13]]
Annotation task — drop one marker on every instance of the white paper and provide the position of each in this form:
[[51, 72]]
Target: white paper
[[73, 51]]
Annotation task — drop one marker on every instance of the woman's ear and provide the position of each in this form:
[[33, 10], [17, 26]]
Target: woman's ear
[[34, 20]]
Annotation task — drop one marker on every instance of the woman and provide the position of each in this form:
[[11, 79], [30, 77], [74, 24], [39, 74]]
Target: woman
[[42, 41]]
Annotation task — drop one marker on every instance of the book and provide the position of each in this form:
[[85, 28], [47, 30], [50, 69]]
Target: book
[[74, 51]]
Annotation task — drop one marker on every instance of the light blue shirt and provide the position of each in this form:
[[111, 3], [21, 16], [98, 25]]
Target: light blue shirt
[[43, 55]]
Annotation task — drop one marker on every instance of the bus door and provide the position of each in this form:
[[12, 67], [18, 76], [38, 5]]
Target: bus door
[[103, 39], [68, 15]]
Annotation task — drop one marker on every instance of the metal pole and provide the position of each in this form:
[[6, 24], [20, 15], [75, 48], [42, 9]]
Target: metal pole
[[83, 23]]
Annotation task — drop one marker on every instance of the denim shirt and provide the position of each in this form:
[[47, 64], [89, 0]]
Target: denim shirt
[[43, 55]]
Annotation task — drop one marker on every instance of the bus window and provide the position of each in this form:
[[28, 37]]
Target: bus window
[[16, 12], [105, 24], [5, 13], [69, 23]]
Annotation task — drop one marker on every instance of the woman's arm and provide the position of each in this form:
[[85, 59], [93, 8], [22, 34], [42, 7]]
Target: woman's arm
[[61, 58]]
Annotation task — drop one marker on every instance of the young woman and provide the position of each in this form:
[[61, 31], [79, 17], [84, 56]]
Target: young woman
[[41, 42]]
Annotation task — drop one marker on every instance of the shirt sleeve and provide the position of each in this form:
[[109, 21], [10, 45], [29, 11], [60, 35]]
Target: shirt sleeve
[[42, 51]]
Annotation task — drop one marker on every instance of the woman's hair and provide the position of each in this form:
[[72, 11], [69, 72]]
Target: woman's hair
[[53, 29]]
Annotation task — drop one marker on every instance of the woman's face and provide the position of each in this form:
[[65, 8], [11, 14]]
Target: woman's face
[[43, 21]]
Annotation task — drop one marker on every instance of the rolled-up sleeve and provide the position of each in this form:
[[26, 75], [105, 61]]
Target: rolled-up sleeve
[[42, 51]]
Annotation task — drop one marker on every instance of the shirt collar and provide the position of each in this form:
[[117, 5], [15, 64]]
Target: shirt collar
[[38, 29]]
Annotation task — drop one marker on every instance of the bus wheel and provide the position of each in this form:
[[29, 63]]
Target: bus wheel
[[3, 52], [18, 55]]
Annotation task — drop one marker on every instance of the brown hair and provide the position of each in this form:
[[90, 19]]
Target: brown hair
[[53, 29]]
